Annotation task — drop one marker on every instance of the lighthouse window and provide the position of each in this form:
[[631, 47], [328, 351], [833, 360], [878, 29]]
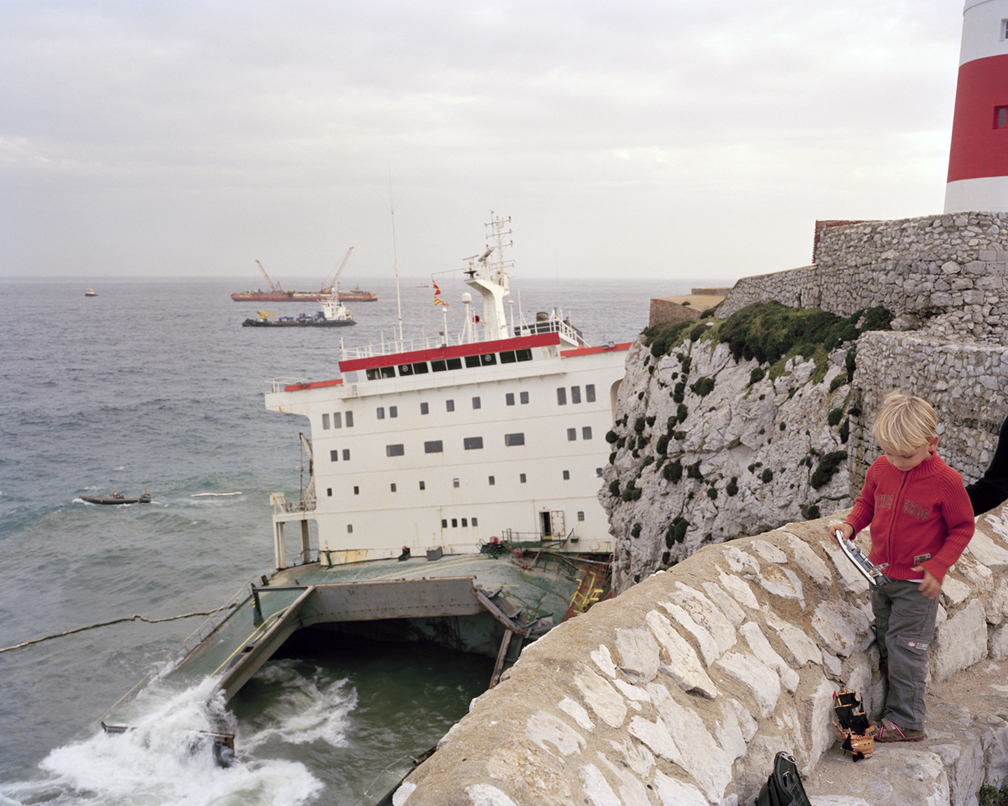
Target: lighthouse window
[[393, 411], [586, 432], [575, 394], [381, 412], [424, 408], [523, 397], [434, 446], [394, 450], [590, 393], [561, 396], [325, 422], [571, 434], [449, 405], [334, 456], [1001, 117], [473, 443], [509, 398], [349, 419], [337, 419], [514, 439]]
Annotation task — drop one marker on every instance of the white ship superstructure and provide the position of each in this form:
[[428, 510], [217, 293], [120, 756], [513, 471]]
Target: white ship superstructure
[[499, 434]]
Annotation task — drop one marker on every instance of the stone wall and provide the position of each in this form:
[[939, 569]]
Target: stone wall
[[965, 381], [681, 690], [955, 263]]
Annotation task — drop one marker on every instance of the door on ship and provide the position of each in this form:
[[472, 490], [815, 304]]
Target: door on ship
[[551, 523], [545, 524]]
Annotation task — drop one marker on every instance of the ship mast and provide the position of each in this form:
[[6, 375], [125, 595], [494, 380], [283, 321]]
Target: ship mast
[[487, 274]]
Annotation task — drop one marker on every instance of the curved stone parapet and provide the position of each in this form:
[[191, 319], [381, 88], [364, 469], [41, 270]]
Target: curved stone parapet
[[682, 689]]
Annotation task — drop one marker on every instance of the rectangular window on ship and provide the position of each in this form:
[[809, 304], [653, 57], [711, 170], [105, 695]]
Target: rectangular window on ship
[[473, 443], [349, 419], [395, 450], [337, 420], [1001, 117], [514, 439], [586, 432], [381, 412], [434, 446], [561, 396], [509, 399], [590, 393], [575, 394], [325, 422], [334, 456]]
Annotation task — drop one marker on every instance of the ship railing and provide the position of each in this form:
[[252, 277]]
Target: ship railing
[[193, 640], [565, 329], [305, 505], [278, 384]]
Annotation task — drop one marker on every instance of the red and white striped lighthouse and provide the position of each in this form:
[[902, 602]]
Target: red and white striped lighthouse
[[978, 160]]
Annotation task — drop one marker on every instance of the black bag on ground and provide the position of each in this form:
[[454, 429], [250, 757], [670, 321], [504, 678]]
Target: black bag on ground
[[784, 787]]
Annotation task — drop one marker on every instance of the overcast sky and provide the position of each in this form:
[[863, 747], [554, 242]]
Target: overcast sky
[[676, 139]]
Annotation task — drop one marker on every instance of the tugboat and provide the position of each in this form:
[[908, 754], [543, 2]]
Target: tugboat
[[333, 314], [90, 293]]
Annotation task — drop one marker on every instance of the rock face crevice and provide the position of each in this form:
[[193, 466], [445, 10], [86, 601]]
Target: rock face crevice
[[682, 689]]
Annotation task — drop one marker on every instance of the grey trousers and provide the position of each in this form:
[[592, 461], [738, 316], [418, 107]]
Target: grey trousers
[[904, 624]]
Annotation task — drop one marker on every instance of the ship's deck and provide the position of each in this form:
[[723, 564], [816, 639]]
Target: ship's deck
[[519, 593]]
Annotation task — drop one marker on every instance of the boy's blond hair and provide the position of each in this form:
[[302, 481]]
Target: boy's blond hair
[[904, 423]]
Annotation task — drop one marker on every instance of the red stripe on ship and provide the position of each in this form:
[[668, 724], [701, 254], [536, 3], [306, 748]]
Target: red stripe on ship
[[979, 147]]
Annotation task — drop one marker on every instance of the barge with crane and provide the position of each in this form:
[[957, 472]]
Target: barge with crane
[[278, 294]]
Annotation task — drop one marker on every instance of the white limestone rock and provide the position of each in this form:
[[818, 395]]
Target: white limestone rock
[[802, 648], [704, 612], [673, 792], [706, 644], [761, 649], [543, 728], [638, 652], [601, 697], [961, 641], [681, 662], [725, 603], [739, 590], [762, 682], [842, 628], [806, 559]]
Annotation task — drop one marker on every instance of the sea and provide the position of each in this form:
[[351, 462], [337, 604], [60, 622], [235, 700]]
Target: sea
[[155, 385]]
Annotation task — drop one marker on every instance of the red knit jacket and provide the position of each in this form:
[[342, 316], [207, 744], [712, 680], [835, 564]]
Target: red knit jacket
[[921, 511]]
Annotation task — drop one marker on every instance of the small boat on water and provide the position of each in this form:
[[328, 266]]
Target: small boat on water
[[116, 498], [357, 295], [333, 314], [90, 293]]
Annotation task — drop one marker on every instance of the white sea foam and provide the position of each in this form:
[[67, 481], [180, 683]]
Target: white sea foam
[[308, 709], [165, 758]]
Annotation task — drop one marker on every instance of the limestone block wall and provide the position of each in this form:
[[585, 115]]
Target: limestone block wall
[[682, 689], [956, 263], [965, 381]]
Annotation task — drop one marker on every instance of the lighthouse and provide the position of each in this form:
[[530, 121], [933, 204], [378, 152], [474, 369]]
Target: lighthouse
[[978, 159]]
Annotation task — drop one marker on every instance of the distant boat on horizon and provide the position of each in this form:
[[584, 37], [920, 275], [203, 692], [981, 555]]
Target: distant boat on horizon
[[90, 293]]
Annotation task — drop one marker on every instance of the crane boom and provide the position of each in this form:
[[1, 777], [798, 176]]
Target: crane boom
[[346, 257], [272, 285]]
